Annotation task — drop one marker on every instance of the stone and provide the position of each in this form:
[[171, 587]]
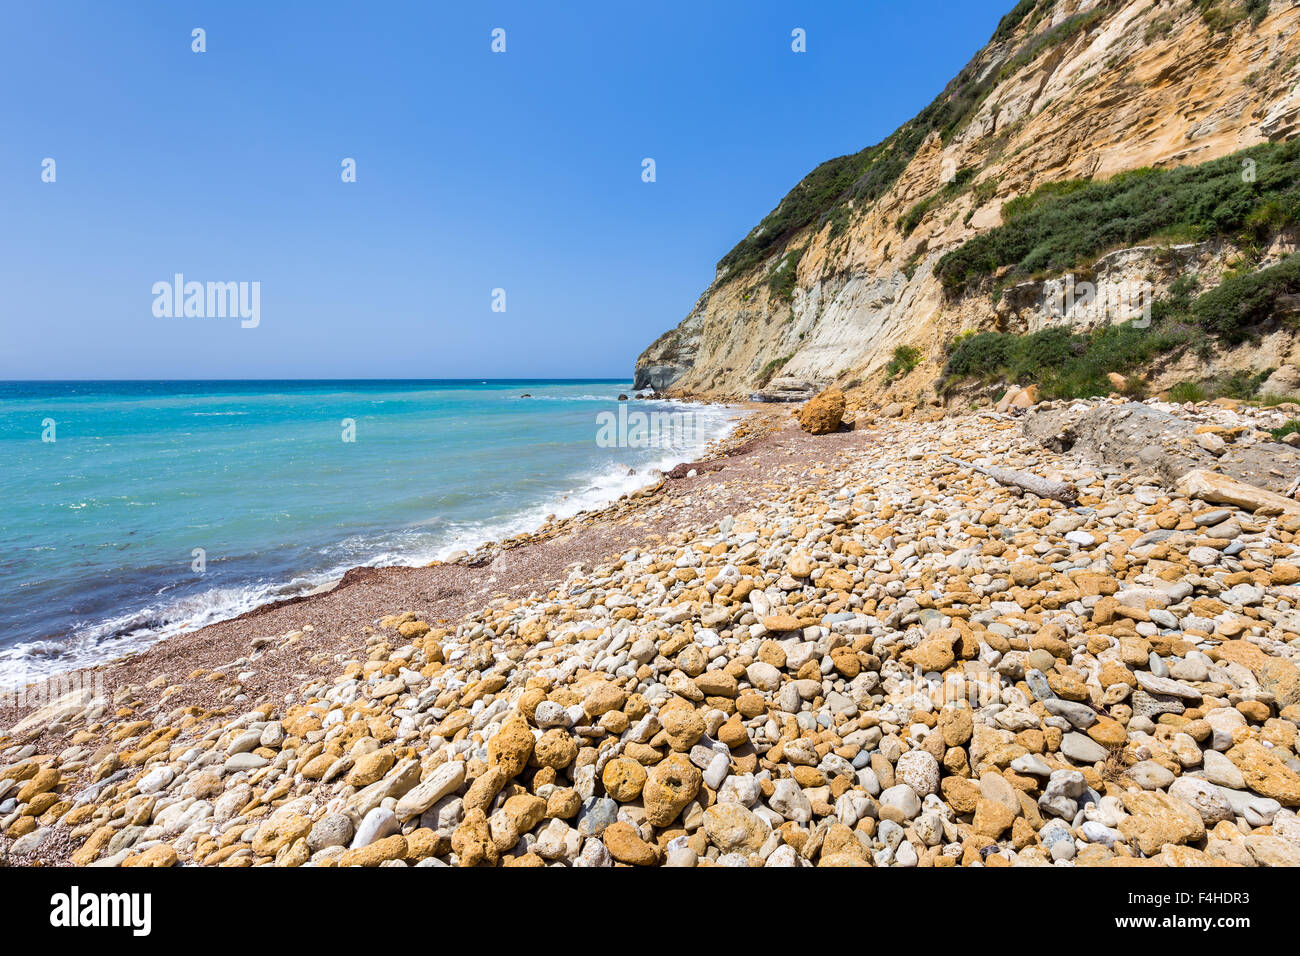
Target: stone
[[623, 780], [669, 787], [732, 828], [823, 412], [956, 726], [335, 829], [1082, 749], [596, 814], [920, 771], [512, 745], [446, 778], [472, 841], [604, 697], [1205, 797], [992, 818], [377, 824], [377, 853], [555, 749], [1157, 819], [1219, 769], [1265, 773], [763, 676], [788, 799], [902, 798], [1221, 489], [626, 846], [1150, 775], [1272, 850], [684, 727]]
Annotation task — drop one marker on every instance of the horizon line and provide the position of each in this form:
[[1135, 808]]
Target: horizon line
[[472, 378]]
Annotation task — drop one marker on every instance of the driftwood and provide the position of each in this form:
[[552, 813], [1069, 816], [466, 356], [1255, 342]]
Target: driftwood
[[1043, 487]]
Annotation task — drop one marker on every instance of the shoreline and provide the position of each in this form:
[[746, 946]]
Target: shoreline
[[250, 599], [852, 649], [454, 575]]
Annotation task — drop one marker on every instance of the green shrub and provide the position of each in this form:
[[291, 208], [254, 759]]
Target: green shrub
[[1063, 31], [1014, 208], [1241, 385], [1240, 305], [1290, 428], [911, 265], [905, 358], [771, 368], [1063, 363], [1160, 28], [1223, 15], [1187, 392], [785, 276], [982, 355], [863, 177], [1268, 401], [1062, 225], [812, 196], [1007, 25]]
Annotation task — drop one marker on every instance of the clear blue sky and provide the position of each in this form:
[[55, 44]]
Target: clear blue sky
[[475, 171]]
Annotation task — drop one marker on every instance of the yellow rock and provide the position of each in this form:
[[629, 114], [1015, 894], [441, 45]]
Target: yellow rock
[[626, 846], [389, 848], [623, 779]]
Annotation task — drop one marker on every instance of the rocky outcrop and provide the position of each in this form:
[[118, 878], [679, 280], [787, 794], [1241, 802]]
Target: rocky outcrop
[[785, 390], [1169, 441], [823, 413], [1118, 85]]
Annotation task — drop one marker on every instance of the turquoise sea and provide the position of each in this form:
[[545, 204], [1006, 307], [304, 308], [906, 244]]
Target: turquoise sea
[[101, 524]]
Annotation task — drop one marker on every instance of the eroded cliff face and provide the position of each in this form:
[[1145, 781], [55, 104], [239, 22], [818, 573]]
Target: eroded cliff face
[[1075, 89]]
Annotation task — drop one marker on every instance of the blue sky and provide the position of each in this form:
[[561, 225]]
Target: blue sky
[[475, 171]]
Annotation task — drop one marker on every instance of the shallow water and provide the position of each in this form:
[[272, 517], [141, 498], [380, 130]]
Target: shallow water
[[101, 525]]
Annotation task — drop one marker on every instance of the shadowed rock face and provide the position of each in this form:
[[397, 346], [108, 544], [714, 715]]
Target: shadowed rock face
[[1136, 434], [658, 377], [785, 390], [1095, 102]]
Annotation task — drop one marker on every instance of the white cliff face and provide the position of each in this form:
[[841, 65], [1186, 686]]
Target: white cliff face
[[1136, 85]]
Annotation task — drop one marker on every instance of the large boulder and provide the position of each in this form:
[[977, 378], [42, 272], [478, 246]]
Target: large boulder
[[823, 413], [1223, 490]]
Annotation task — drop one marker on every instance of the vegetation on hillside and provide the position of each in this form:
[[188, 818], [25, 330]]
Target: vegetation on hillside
[[912, 218], [844, 186], [1247, 195], [861, 178], [1223, 15], [1243, 303], [1068, 364], [1064, 364], [784, 277], [771, 368], [905, 358]]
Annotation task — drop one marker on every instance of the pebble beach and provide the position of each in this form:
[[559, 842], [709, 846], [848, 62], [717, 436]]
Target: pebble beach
[[849, 649]]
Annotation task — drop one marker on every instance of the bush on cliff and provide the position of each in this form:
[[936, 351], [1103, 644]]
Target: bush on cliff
[[1249, 194], [863, 177], [1064, 364], [1241, 305]]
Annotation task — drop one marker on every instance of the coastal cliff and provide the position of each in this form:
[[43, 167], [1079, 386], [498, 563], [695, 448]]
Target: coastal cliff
[[850, 279]]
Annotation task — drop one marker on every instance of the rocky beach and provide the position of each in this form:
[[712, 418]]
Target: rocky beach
[[856, 646]]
